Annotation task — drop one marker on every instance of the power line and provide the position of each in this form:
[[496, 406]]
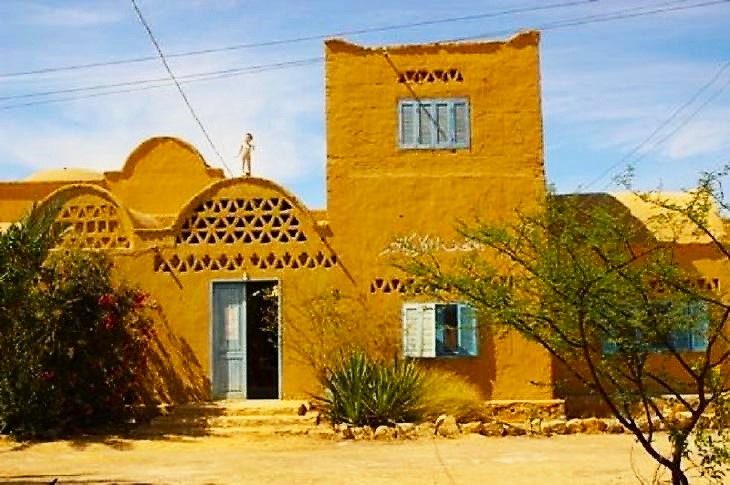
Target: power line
[[177, 84], [687, 120], [212, 75], [188, 77], [605, 17], [627, 159], [293, 40], [622, 16]]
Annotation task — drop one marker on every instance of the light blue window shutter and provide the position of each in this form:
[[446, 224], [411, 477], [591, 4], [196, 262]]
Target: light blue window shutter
[[442, 124], [428, 330], [461, 123], [468, 343], [681, 340], [412, 330], [609, 347], [699, 335], [407, 124], [425, 124]]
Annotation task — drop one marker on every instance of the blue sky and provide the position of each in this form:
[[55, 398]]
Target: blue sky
[[606, 85]]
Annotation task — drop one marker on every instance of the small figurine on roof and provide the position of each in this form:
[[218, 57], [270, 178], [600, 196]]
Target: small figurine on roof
[[245, 153]]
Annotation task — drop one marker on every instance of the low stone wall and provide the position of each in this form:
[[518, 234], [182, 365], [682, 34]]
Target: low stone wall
[[448, 427], [512, 411]]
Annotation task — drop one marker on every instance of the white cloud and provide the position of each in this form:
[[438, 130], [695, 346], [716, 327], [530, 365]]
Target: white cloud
[[69, 16], [279, 107], [619, 106], [700, 138]]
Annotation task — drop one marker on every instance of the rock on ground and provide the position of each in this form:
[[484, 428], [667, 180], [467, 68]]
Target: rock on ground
[[447, 427]]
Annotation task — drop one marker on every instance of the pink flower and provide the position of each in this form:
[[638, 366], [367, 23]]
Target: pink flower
[[140, 299], [108, 321], [107, 300]]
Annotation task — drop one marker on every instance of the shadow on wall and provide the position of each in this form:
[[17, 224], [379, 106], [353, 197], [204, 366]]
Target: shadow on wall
[[480, 371], [174, 374]]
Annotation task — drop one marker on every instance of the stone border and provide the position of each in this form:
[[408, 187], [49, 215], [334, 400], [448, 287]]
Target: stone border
[[447, 427]]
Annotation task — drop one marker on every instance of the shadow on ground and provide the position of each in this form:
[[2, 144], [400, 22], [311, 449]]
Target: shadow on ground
[[174, 424], [63, 479]]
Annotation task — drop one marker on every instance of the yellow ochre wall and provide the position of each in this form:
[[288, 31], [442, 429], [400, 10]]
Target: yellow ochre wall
[[377, 191], [168, 255], [141, 215]]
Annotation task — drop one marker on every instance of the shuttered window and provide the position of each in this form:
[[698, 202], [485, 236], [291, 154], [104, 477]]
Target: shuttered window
[[698, 335], [692, 339], [433, 330], [407, 123], [433, 123]]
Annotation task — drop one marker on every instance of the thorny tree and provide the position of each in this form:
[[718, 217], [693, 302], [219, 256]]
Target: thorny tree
[[611, 303]]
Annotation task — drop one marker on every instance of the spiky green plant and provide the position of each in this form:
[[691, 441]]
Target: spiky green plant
[[360, 391]]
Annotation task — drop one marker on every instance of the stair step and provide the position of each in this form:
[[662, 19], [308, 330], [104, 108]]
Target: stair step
[[229, 418], [240, 408], [263, 430], [230, 421]]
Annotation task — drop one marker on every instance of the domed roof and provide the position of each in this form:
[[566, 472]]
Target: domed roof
[[64, 174]]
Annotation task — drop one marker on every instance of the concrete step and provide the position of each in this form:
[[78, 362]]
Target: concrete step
[[197, 430], [240, 408], [233, 421], [231, 418]]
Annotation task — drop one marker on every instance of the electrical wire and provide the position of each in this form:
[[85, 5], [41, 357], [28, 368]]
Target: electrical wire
[[166, 83], [616, 15], [419, 107], [179, 87], [187, 77], [628, 160], [606, 17], [293, 40]]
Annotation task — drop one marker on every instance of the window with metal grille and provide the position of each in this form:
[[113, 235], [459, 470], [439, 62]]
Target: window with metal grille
[[433, 123]]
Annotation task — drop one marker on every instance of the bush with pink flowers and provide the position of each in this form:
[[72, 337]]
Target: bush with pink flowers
[[74, 342]]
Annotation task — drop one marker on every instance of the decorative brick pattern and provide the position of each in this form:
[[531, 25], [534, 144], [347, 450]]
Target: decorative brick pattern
[[390, 286], [235, 221], [93, 226], [238, 262], [421, 76]]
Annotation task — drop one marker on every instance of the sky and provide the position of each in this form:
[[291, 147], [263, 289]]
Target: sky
[[650, 90]]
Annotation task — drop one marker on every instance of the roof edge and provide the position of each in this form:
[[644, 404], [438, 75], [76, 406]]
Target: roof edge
[[520, 39]]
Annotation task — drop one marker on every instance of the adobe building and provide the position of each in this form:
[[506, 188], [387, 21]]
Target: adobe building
[[418, 138]]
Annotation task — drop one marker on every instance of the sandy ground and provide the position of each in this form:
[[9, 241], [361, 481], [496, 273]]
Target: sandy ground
[[576, 459]]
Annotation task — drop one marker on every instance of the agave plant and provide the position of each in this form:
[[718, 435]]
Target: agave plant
[[361, 391]]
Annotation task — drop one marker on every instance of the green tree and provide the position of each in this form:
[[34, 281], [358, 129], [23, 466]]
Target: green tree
[[613, 306], [74, 343]]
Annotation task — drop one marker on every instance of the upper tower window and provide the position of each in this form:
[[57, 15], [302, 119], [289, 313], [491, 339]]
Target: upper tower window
[[433, 123]]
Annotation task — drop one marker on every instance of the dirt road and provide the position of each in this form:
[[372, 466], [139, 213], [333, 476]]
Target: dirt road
[[575, 459]]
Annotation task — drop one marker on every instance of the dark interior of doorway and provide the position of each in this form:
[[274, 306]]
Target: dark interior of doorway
[[262, 337]]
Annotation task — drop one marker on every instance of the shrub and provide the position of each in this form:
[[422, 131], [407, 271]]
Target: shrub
[[446, 392], [332, 326], [361, 391], [73, 343]]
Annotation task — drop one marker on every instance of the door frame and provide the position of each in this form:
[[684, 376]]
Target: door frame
[[211, 324]]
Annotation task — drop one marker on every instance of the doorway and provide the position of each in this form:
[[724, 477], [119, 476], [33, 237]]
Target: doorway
[[245, 340]]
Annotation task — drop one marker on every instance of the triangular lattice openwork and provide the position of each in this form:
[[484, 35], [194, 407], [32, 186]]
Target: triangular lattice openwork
[[93, 226], [388, 286], [420, 76], [232, 221], [238, 262]]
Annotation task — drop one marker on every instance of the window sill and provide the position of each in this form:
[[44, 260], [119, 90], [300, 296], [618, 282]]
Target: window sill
[[434, 148]]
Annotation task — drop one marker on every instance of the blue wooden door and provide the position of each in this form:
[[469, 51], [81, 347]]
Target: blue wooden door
[[229, 340]]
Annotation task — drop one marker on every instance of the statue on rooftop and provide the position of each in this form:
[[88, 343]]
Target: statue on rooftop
[[245, 153]]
